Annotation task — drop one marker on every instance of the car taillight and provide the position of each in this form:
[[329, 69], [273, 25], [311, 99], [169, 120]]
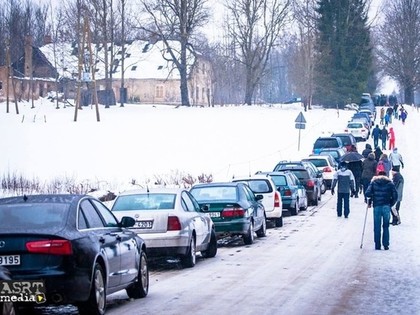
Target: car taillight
[[310, 183], [233, 213], [287, 192], [276, 199], [51, 247], [174, 224], [327, 169]]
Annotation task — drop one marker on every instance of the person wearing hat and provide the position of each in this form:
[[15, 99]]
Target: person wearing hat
[[344, 179], [398, 181], [368, 171], [396, 160], [381, 193]]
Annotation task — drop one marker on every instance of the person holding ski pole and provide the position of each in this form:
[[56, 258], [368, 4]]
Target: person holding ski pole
[[381, 193]]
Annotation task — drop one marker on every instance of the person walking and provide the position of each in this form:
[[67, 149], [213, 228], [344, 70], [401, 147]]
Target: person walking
[[391, 138], [403, 116], [356, 168], [396, 160], [378, 153], [382, 115], [344, 179], [376, 134], [367, 150], [368, 171], [384, 164], [381, 193], [384, 136], [398, 181]]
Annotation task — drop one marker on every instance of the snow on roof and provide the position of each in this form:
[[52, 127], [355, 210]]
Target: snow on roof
[[143, 60]]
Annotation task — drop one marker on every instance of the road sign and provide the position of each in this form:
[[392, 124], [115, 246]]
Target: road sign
[[300, 126], [300, 119]]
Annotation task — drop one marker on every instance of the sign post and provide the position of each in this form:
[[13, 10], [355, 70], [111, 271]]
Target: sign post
[[300, 122]]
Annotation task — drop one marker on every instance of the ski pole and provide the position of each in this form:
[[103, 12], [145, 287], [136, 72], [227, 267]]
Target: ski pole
[[364, 225]]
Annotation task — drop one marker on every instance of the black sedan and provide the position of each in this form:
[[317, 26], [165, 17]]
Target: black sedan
[[75, 246]]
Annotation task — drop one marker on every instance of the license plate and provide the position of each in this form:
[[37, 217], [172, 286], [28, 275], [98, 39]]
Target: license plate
[[214, 214], [9, 260], [144, 224]]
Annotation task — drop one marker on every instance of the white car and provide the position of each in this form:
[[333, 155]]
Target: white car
[[264, 185], [326, 164], [358, 130], [170, 221]]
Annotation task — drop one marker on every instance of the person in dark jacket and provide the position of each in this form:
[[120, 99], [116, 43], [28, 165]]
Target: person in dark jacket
[[368, 171], [344, 179], [384, 137], [381, 193], [398, 181], [367, 150], [376, 133], [356, 168], [378, 153]]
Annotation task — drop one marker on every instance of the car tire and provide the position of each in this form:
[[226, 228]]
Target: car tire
[[96, 303], [295, 209], [140, 288], [323, 187], [262, 231], [189, 260], [249, 236], [278, 222], [211, 250], [305, 205]]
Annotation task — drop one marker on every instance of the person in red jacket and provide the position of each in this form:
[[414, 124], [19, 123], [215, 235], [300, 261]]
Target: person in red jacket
[[391, 135]]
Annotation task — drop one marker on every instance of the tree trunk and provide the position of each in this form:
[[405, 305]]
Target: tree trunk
[[408, 95]]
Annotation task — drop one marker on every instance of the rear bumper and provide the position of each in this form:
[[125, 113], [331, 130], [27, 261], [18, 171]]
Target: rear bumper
[[274, 213], [166, 244], [231, 228]]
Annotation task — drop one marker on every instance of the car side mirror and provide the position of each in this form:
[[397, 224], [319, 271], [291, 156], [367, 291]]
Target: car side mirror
[[127, 222], [204, 208], [259, 197]]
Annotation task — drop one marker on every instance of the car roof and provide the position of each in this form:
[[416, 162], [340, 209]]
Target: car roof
[[153, 190], [255, 176], [43, 198], [215, 184]]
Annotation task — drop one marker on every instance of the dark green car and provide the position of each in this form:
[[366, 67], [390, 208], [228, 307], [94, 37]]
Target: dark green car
[[234, 209]]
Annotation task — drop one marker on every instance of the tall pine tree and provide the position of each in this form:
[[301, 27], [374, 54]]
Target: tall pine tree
[[344, 52]]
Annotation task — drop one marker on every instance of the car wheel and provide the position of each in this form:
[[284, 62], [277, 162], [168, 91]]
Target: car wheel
[[279, 222], [323, 188], [211, 250], [96, 304], [141, 287], [315, 201], [295, 210], [189, 260], [249, 236], [305, 205], [262, 231]]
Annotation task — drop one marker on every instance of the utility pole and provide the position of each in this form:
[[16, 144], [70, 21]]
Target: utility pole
[[123, 93], [87, 66]]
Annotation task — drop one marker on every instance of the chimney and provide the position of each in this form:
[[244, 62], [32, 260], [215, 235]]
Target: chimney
[[47, 39], [28, 56]]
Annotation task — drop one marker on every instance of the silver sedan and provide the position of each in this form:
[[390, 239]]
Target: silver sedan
[[170, 221]]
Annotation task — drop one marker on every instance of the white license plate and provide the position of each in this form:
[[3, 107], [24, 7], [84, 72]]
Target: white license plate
[[9, 260], [214, 214], [144, 224]]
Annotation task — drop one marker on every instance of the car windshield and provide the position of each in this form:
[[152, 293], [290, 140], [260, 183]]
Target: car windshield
[[279, 180], [324, 143], [301, 174], [33, 215], [225, 193], [354, 125], [258, 186], [145, 201], [319, 162]]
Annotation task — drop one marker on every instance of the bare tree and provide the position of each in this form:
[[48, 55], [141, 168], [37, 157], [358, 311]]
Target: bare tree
[[176, 21], [399, 45], [257, 25]]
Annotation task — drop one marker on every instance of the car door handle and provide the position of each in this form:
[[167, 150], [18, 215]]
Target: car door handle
[[102, 240]]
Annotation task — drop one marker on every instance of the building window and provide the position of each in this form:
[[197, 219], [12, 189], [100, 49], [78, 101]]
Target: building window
[[197, 93], [203, 94], [159, 91], [1, 85], [133, 68], [204, 68]]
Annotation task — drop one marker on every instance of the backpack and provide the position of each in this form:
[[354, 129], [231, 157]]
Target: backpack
[[380, 167]]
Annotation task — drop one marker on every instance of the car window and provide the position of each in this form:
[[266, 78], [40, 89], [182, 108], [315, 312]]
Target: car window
[[326, 143], [110, 220], [81, 220], [279, 180], [144, 201], [93, 219], [187, 203], [258, 186], [208, 193], [319, 162], [301, 174], [250, 196], [33, 215]]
